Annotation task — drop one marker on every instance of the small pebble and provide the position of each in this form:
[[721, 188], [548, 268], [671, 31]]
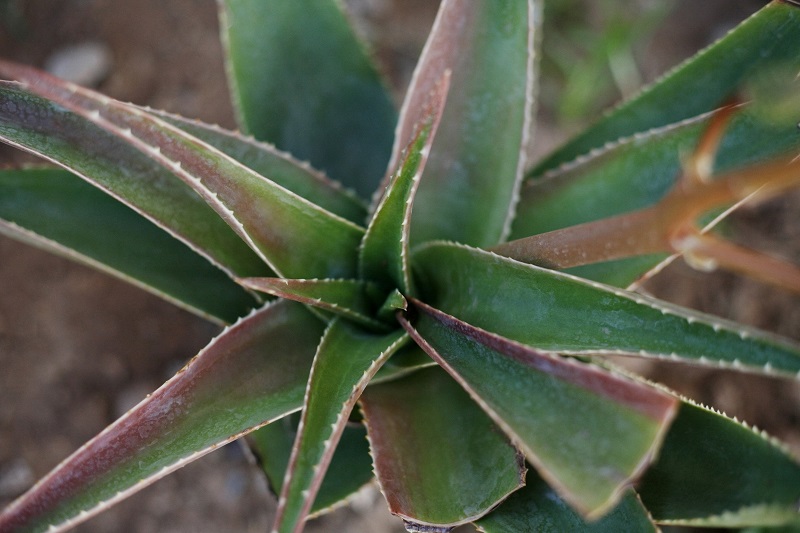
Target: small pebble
[[86, 64]]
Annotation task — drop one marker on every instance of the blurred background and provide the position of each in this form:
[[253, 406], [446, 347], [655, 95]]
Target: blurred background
[[77, 348]]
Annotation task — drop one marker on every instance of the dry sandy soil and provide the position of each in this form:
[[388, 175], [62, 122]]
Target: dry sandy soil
[[78, 348]]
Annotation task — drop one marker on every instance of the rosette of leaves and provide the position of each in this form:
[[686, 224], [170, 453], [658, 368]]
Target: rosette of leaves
[[440, 325]]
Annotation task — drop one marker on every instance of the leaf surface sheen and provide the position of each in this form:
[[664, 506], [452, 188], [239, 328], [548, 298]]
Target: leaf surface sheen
[[254, 372], [439, 459], [589, 432], [557, 312], [347, 358]]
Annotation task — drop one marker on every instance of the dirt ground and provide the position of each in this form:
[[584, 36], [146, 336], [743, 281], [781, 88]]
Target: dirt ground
[[78, 348]]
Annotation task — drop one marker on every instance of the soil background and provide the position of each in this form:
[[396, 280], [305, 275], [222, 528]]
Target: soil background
[[78, 348]]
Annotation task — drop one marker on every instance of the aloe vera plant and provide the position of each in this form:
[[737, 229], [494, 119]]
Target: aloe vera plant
[[425, 307]]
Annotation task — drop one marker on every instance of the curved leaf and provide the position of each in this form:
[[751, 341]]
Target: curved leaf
[[557, 312], [327, 105], [470, 185], [588, 432], [254, 372], [770, 37], [439, 459], [58, 211]]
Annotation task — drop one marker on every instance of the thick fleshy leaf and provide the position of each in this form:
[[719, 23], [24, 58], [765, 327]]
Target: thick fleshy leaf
[[346, 360], [768, 39], [295, 237], [55, 210], [537, 508], [715, 472], [439, 459], [327, 105], [383, 257], [254, 372], [349, 471], [406, 361], [276, 166], [557, 312], [350, 298], [587, 431], [470, 185], [44, 128]]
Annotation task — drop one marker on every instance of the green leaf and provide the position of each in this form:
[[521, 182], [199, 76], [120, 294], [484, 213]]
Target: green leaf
[[768, 39], [109, 162], [315, 92], [537, 508], [58, 211], [350, 298], [295, 237], [253, 373], [553, 311], [349, 471], [277, 166], [439, 459], [715, 472], [383, 256], [470, 185], [588, 432], [346, 360]]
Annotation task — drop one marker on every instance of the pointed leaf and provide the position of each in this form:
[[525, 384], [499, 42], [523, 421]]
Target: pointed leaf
[[557, 312], [537, 508], [406, 361], [470, 185], [295, 237], [328, 105], [349, 471], [769, 38], [589, 432], [715, 472], [383, 257], [57, 211], [439, 459], [276, 166], [253, 373], [109, 162], [350, 298], [346, 360]]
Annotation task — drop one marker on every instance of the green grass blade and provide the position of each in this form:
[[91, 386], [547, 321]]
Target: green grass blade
[[346, 360], [537, 507], [42, 127], [475, 167], [770, 38], [253, 373], [328, 105], [556, 312], [588, 432], [57, 211], [439, 459], [715, 472]]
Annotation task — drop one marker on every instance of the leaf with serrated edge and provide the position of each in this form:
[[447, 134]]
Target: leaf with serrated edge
[[469, 188], [589, 432], [715, 472], [276, 166], [328, 105], [346, 360], [350, 298], [770, 37], [253, 373], [537, 507], [109, 162], [558, 312], [383, 256], [276, 223], [439, 459], [52, 209]]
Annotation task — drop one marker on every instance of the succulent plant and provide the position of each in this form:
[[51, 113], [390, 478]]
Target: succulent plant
[[442, 325]]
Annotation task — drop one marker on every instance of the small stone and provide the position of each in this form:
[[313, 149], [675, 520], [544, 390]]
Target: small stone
[[85, 64], [15, 478]]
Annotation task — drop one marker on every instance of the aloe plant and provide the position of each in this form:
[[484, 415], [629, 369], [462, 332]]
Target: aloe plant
[[454, 310]]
